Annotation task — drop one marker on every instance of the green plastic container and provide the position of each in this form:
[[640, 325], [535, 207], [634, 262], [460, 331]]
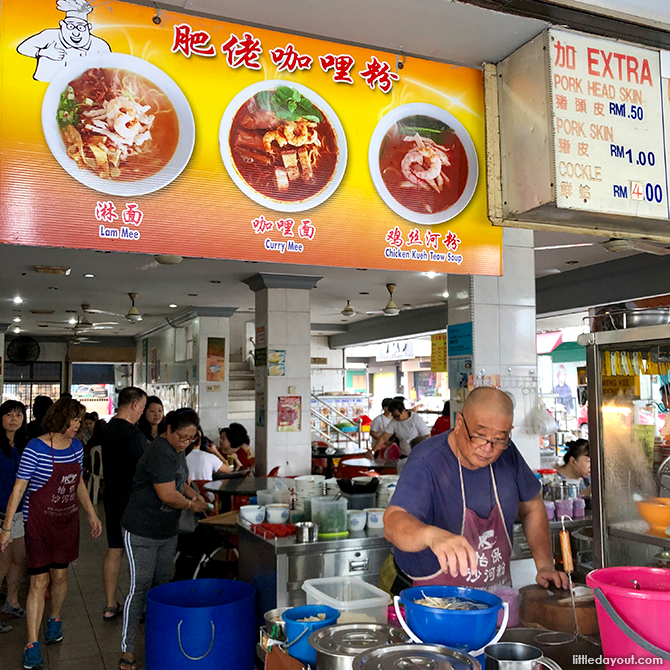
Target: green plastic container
[[331, 516]]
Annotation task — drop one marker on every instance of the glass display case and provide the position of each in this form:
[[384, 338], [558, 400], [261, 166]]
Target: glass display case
[[626, 371]]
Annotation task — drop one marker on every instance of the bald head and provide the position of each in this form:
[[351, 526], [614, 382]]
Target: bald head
[[490, 399]]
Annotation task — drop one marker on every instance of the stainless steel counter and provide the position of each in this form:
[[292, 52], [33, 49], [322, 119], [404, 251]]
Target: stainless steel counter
[[278, 567], [520, 548]]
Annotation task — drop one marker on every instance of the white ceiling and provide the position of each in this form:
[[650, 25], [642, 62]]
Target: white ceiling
[[654, 13], [117, 274]]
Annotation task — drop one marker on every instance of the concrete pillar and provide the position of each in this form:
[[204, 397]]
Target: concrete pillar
[[3, 357], [282, 325], [502, 312], [214, 325]]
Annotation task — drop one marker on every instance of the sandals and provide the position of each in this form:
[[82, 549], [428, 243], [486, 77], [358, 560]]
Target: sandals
[[127, 665], [5, 627], [111, 613]]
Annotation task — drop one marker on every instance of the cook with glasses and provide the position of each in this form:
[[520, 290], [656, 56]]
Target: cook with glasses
[[452, 514]]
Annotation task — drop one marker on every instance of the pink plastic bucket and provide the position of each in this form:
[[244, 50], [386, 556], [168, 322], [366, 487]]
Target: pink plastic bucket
[[633, 622]]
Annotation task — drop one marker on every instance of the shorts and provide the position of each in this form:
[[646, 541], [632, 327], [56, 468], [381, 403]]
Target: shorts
[[46, 568], [17, 527], [113, 514]]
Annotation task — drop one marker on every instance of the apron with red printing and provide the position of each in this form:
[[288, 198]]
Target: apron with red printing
[[489, 538], [52, 529]]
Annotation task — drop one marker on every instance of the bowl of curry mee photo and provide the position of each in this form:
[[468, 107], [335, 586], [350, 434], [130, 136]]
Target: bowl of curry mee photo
[[423, 163], [283, 146], [118, 124]]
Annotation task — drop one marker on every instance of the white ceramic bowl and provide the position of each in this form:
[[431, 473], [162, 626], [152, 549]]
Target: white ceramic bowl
[[356, 519], [253, 513], [52, 135], [281, 205], [375, 517], [277, 513], [435, 112]]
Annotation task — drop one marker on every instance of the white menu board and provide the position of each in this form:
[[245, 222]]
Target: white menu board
[[609, 145]]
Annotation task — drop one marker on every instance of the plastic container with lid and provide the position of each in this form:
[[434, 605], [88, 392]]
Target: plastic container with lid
[[355, 599], [578, 508], [331, 516], [550, 506]]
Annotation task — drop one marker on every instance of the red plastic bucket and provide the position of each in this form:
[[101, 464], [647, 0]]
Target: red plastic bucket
[[633, 621]]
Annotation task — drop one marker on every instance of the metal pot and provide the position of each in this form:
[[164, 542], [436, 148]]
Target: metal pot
[[274, 624], [337, 646], [306, 531], [425, 656], [516, 656]]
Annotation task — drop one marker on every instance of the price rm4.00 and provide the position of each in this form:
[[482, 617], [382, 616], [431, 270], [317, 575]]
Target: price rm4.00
[[639, 191]]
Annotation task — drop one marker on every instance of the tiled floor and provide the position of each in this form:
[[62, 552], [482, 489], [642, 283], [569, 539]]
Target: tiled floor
[[89, 642]]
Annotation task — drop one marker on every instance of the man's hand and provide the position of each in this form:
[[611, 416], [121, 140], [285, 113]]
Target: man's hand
[[199, 505], [96, 525], [548, 576], [52, 51], [454, 552]]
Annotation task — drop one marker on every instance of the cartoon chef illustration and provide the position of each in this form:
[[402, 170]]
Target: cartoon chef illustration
[[55, 48]]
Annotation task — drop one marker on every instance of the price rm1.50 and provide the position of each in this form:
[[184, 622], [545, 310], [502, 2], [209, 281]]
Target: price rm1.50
[[639, 191]]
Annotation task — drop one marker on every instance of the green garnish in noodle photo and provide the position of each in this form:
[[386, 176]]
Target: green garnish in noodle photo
[[425, 126], [68, 109], [288, 104]]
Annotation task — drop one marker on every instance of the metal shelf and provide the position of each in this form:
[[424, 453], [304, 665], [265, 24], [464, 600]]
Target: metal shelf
[[638, 531]]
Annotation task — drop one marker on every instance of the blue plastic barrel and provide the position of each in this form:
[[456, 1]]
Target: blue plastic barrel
[[201, 624]]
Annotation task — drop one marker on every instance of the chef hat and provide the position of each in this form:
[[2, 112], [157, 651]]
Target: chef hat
[[79, 9]]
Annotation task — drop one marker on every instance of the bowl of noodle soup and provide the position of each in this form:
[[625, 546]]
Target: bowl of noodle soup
[[118, 124], [283, 145], [423, 163]]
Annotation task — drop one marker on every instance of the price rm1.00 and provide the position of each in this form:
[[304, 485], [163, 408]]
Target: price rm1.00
[[639, 158], [639, 191]]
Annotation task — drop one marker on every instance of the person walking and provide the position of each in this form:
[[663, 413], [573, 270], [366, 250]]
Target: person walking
[[50, 471], [122, 447], [41, 404], [13, 561], [151, 519], [152, 421]]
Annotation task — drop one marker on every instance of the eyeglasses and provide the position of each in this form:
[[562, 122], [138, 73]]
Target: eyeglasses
[[481, 441], [185, 439]]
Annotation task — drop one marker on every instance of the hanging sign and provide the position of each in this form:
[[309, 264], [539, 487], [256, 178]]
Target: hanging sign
[[608, 126], [209, 139], [438, 352]]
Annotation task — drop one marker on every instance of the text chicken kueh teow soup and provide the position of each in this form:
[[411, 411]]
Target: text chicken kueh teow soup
[[283, 146], [423, 164], [117, 124]]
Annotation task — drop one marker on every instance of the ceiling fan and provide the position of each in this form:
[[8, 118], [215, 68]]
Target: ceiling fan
[[162, 259], [391, 308]]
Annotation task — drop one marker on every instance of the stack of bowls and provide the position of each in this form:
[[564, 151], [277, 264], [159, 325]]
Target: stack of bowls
[[332, 487], [307, 487], [387, 484]]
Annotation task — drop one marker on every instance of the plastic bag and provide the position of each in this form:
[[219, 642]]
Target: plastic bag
[[543, 422]]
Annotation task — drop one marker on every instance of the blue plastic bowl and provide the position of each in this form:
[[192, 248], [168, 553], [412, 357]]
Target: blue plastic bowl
[[465, 630], [302, 650]]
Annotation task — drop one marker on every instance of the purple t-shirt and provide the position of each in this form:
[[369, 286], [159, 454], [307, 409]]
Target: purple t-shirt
[[430, 490]]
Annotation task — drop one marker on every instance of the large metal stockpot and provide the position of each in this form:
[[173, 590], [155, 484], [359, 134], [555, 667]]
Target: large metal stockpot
[[337, 646], [415, 656]]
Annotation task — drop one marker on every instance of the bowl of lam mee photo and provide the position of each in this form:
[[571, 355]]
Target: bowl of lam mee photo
[[118, 124], [283, 146], [423, 163]]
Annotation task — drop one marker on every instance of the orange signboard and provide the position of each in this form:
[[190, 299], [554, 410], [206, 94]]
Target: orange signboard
[[203, 138]]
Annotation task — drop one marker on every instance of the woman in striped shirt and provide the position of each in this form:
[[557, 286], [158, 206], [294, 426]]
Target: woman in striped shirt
[[50, 473]]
